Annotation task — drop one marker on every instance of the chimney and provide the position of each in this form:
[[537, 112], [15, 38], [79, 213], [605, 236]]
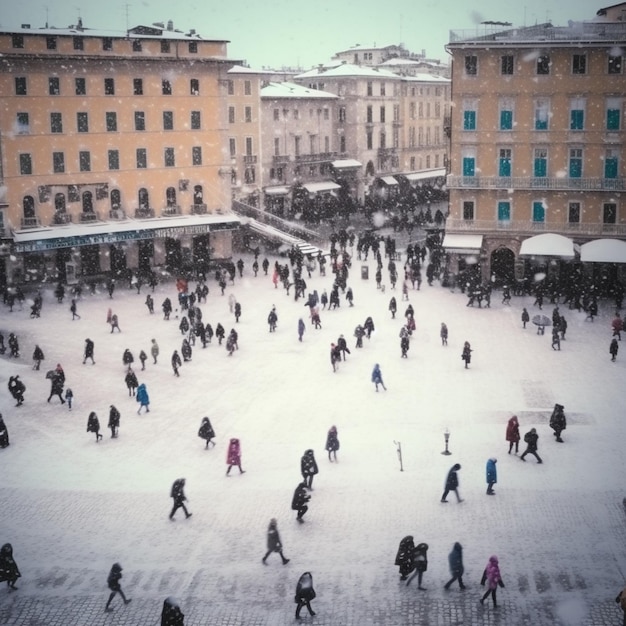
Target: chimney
[[26, 26], [170, 25]]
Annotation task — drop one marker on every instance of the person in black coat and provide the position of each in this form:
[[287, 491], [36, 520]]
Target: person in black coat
[[308, 468], [206, 432], [420, 561], [455, 562], [113, 582], [220, 333], [531, 438], [368, 325], [131, 382], [176, 362], [167, 308], [128, 358], [57, 383], [88, 354], [393, 307], [4, 433], [93, 425], [9, 571], [171, 614], [237, 311], [467, 354], [299, 501], [343, 346], [452, 483], [332, 443], [38, 357], [274, 544], [17, 389], [304, 594], [185, 350], [404, 557], [558, 422], [177, 494], [114, 421]]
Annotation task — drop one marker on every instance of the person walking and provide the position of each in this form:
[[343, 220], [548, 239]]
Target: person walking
[[114, 421], [377, 377], [512, 434], [443, 333], [38, 357], [154, 350], [332, 444], [128, 358], [143, 398], [492, 476], [69, 397], [558, 423], [455, 563], [171, 615], [393, 307], [404, 557], [335, 356], [131, 382], [301, 329], [176, 362], [304, 594], [4, 434], [57, 383], [9, 570], [150, 304], [74, 309], [308, 468], [93, 425], [113, 582], [233, 456], [143, 357], [88, 353], [177, 493], [115, 323], [299, 501], [274, 544], [556, 338], [452, 483], [531, 438], [17, 389], [614, 349], [467, 354], [492, 576], [206, 432], [525, 317], [420, 562]]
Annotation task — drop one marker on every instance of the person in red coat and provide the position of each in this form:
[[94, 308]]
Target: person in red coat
[[512, 434], [618, 326], [233, 457]]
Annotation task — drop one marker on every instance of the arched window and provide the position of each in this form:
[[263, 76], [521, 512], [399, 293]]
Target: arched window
[[170, 196], [144, 199], [59, 203], [369, 169], [198, 194], [87, 202], [116, 199], [28, 205]]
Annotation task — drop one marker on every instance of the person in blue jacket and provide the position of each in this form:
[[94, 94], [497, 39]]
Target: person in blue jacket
[[455, 561], [143, 398], [492, 476], [377, 377]]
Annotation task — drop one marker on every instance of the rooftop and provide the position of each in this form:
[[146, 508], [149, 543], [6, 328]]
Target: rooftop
[[291, 90]]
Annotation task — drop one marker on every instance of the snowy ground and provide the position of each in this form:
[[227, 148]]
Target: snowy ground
[[72, 507]]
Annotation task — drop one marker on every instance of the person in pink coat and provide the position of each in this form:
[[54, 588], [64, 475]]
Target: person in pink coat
[[233, 457], [492, 576], [512, 434]]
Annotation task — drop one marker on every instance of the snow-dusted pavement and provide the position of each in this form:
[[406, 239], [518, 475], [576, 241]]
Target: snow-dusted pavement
[[71, 507]]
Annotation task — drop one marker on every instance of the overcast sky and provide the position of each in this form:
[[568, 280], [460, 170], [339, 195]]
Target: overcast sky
[[301, 33]]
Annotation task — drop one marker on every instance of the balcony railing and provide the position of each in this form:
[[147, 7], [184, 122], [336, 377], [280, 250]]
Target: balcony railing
[[249, 159], [61, 218], [278, 159], [171, 210], [117, 214], [88, 216], [525, 227], [30, 222], [386, 152], [316, 158], [144, 213], [199, 209], [525, 182]]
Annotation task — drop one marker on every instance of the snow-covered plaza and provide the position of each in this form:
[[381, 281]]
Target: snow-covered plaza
[[72, 507]]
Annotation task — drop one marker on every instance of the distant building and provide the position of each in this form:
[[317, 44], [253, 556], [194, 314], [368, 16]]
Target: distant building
[[537, 146], [112, 152]]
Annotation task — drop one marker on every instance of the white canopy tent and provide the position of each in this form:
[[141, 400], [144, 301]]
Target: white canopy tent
[[548, 244], [604, 251]]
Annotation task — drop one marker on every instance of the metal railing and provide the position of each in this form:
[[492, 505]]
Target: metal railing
[[88, 216], [523, 227], [171, 210], [526, 182], [143, 213], [316, 157], [199, 209]]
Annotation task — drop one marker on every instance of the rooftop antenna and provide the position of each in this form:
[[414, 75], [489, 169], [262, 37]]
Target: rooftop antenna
[[126, 8], [46, 8]]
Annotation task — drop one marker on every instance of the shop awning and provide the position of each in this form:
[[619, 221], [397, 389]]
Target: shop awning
[[462, 244], [548, 244], [326, 185], [389, 180], [416, 177], [604, 251], [279, 190], [342, 164]]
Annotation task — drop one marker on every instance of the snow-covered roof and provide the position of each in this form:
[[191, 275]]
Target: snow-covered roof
[[291, 90], [348, 69], [242, 69], [426, 78]]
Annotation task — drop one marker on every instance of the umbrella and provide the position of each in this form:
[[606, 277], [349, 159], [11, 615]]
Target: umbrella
[[50, 374], [541, 321]]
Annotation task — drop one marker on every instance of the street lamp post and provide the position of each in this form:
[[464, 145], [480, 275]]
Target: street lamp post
[[446, 436]]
